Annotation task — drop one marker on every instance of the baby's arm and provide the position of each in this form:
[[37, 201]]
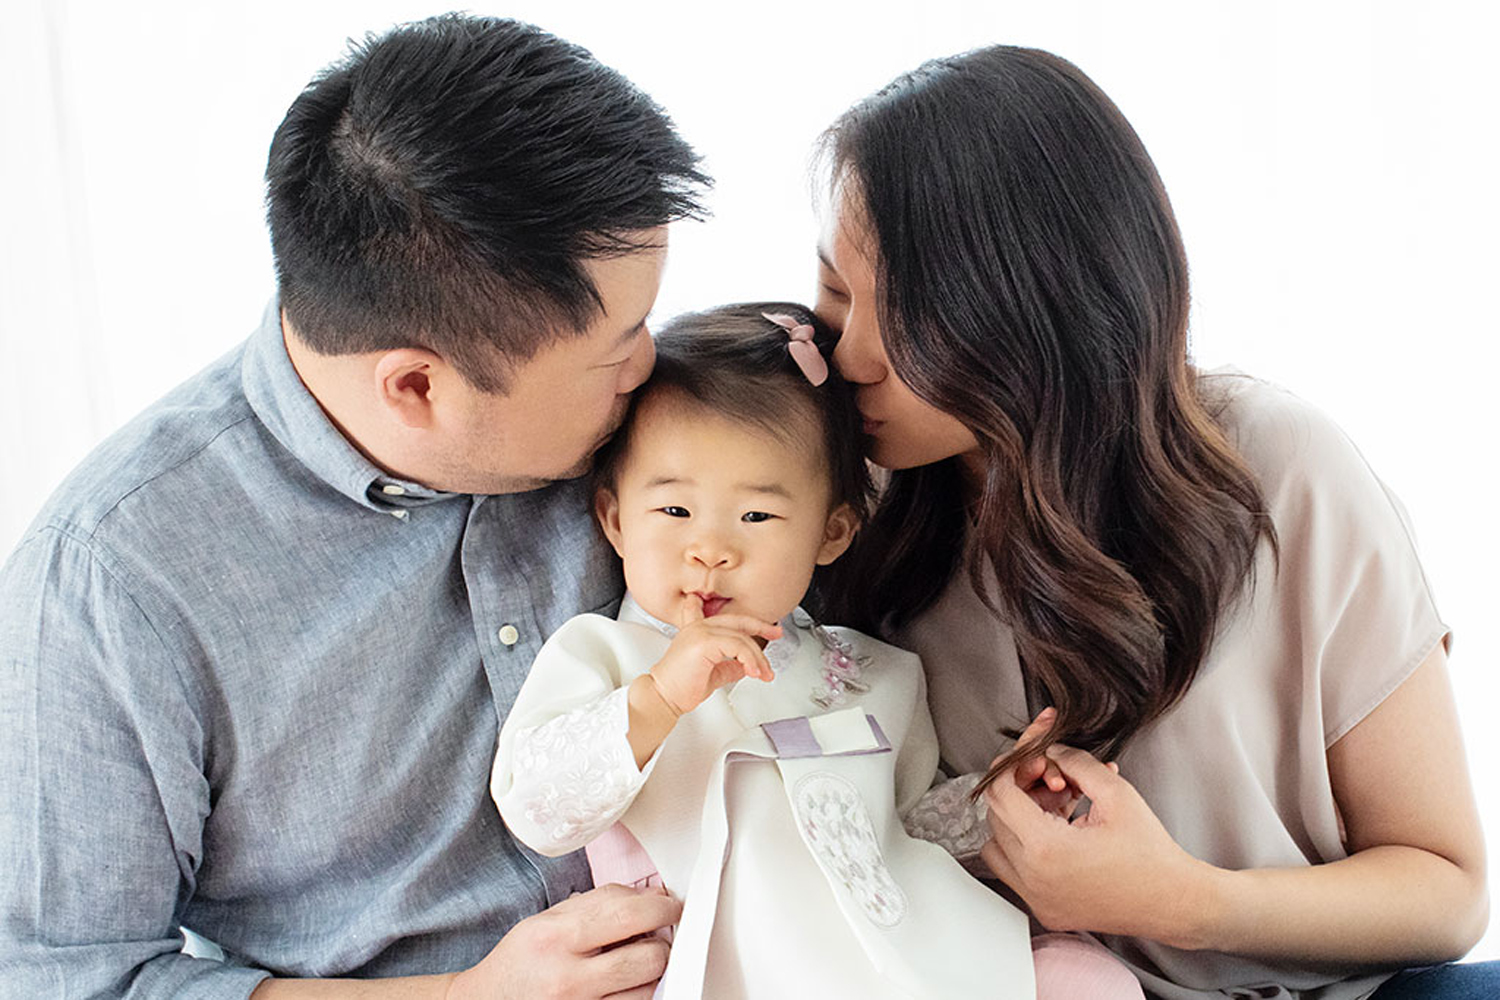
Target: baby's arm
[[578, 744], [945, 816], [564, 771], [932, 807]]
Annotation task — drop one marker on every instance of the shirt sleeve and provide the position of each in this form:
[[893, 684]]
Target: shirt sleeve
[[1351, 592], [103, 792], [564, 771]]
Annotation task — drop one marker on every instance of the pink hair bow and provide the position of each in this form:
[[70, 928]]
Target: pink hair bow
[[801, 346]]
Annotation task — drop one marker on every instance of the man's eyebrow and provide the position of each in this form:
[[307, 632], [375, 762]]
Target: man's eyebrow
[[627, 336]]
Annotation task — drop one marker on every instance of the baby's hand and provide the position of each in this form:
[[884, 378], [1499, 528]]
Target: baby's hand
[[709, 653]]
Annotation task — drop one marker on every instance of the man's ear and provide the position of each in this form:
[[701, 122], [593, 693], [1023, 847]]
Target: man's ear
[[607, 510], [838, 533], [404, 384]]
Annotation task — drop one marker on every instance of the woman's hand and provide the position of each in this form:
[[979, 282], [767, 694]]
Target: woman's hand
[[1113, 869]]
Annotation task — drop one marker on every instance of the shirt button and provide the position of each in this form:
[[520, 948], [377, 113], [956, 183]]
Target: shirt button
[[509, 635], [393, 490]]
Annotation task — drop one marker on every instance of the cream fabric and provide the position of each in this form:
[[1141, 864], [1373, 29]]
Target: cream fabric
[[1238, 771], [798, 877]]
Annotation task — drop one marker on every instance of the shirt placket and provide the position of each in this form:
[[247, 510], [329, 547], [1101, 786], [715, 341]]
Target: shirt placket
[[495, 565]]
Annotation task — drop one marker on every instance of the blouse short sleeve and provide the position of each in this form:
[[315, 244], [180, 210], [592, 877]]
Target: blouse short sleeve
[[1349, 592]]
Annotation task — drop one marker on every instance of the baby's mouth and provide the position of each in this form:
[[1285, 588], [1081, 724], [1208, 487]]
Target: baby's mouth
[[712, 603]]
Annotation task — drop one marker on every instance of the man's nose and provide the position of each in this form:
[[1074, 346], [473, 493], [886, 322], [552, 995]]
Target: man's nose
[[638, 368]]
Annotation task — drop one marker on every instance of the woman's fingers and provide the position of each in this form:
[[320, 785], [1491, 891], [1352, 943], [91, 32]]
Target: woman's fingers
[[1013, 811], [1038, 726], [1039, 768], [1081, 768], [1052, 775]]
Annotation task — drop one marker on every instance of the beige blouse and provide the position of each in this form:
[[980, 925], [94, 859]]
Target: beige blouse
[[1238, 771]]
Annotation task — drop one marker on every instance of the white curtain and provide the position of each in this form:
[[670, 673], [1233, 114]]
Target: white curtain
[[1334, 168]]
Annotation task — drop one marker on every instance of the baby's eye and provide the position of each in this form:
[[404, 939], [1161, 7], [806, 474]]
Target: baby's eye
[[675, 511], [757, 516]]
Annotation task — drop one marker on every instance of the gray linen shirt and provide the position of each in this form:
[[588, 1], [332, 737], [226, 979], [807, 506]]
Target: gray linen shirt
[[250, 685]]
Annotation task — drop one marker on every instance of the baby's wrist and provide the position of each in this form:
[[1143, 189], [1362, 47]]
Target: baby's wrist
[[651, 715], [661, 695]]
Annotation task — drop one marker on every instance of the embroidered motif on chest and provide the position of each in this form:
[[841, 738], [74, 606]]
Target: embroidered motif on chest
[[837, 826], [839, 675]]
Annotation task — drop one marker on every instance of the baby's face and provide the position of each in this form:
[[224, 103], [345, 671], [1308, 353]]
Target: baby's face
[[704, 505]]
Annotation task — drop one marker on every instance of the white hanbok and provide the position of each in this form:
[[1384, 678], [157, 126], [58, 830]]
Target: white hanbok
[[775, 810]]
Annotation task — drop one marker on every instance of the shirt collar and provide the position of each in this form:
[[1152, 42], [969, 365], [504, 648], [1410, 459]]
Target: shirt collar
[[778, 651], [283, 404]]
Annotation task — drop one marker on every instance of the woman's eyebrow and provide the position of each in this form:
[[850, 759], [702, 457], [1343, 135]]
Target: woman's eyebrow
[[826, 259]]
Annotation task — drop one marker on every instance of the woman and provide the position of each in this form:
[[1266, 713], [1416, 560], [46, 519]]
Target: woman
[[1195, 573]]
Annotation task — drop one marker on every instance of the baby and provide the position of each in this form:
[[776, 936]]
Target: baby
[[716, 738]]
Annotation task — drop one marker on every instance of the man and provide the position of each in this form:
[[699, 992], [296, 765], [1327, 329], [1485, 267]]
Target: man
[[255, 651]]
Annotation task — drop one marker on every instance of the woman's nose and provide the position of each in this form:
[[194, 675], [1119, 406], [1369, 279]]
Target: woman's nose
[[858, 354]]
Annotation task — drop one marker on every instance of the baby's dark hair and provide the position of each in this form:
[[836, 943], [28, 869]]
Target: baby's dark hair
[[733, 361]]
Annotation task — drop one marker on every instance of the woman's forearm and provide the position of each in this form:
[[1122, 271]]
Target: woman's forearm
[[1387, 905]]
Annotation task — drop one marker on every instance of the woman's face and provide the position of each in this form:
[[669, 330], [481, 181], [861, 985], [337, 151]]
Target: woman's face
[[904, 431]]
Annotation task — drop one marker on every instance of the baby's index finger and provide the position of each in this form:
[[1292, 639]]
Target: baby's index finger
[[692, 609], [749, 625]]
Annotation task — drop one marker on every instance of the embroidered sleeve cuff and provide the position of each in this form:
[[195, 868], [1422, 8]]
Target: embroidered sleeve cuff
[[945, 816], [575, 775]]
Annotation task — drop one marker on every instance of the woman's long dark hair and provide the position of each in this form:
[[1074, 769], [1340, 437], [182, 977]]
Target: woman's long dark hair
[[1033, 285]]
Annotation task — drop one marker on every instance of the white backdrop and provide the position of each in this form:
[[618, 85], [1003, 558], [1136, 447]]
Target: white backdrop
[[1333, 166]]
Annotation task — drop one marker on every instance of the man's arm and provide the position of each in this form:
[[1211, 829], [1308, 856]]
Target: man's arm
[[102, 788], [103, 796], [596, 944]]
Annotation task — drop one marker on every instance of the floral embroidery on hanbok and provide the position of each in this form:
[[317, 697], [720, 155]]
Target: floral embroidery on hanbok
[[836, 824]]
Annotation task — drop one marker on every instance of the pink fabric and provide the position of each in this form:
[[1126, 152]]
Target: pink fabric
[[1069, 967], [616, 856]]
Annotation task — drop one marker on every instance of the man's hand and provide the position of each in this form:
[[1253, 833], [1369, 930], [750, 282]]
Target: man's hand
[[596, 944]]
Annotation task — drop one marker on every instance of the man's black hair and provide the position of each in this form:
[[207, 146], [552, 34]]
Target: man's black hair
[[443, 185]]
